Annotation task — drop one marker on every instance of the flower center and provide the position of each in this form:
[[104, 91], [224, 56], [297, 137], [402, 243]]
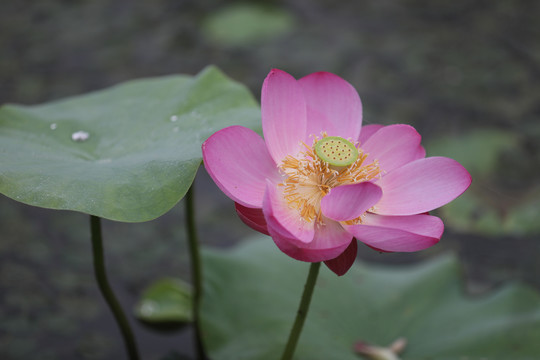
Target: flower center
[[330, 162]]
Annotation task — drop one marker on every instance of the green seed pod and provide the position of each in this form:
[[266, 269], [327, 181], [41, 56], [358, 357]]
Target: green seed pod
[[336, 151]]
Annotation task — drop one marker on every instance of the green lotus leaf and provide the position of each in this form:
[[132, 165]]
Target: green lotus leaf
[[252, 293], [240, 25], [167, 300], [126, 153], [477, 150]]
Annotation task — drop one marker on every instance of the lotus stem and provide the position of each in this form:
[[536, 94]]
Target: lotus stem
[[196, 271], [302, 312], [103, 283]]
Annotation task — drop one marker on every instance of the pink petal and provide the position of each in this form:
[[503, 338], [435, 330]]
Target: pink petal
[[343, 262], [367, 131], [420, 153], [350, 201], [329, 242], [421, 186], [283, 111], [394, 146], [421, 224], [237, 160], [252, 217], [282, 219], [333, 105], [398, 233]]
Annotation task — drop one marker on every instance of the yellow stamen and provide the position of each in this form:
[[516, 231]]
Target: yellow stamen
[[309, 179]]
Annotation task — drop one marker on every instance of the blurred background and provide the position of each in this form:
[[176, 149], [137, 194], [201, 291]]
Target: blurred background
[[464, 73]]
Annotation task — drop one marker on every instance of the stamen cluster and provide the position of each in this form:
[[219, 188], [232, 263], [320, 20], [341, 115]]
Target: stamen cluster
[[309, 179]]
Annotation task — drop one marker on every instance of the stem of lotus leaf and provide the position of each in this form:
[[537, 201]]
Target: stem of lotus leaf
[[196, 271], [103, 283], [302, 312]]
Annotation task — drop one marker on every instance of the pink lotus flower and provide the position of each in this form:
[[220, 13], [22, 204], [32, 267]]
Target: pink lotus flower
[[319, 179]]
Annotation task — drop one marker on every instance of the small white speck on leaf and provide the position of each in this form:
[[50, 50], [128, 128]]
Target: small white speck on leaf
[[80, 136]]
